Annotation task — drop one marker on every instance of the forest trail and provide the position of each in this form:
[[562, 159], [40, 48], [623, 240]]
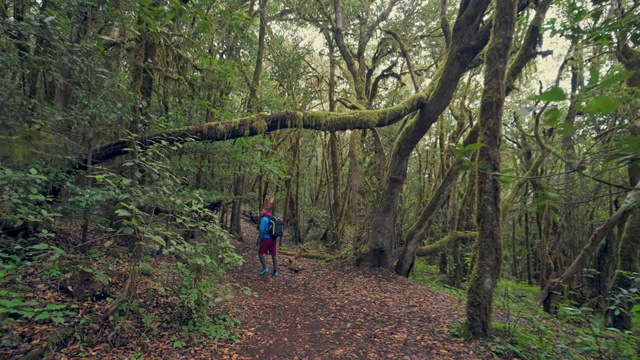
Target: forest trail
[[338, 311]]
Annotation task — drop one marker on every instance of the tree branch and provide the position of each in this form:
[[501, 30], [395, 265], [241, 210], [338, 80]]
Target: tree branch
[[532, 40], [405, 54], [262, 124], [453, 236]]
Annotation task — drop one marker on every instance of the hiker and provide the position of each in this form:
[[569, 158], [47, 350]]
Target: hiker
[[267, 242]]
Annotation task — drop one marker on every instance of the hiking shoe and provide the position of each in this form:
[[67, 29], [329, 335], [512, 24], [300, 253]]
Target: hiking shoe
[[264, 271], [275, 273]]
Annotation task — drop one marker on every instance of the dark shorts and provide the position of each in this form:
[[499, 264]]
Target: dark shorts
[[268, 245]]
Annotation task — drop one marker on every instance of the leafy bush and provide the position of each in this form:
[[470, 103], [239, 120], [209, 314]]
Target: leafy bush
[[23, 199]]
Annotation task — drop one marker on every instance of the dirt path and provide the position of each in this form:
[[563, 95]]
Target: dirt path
[[337, 311]]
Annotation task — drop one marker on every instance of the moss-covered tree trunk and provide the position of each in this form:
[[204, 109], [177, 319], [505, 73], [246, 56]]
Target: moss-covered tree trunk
[[525, 54], [236, 207], [489, 246], [80, 27], [418, 230], [143, 72], [468, 39], [251, 107], [334, 154], [629, 252], [527, 241]]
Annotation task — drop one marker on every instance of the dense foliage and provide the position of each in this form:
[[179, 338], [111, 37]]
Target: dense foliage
[[80, 76]]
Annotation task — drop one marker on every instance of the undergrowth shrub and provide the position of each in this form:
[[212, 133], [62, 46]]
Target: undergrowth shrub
[[25, 205], [524, 331]]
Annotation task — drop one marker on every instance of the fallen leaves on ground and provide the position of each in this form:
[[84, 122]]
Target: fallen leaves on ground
[[325, 311]]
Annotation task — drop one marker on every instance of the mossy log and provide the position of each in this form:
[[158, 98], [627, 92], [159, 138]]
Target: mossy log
[[265, 123]]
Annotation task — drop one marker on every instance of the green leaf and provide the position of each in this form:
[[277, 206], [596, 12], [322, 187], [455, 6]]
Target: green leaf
[[551, 117], [56, 256], [553, 94], [43, 315], [39, 247], [55, 306], [616, 78], [122, 212], [595, 76], [101, 277], [58, 320], [601, 105], [33, 171], [472, 147]]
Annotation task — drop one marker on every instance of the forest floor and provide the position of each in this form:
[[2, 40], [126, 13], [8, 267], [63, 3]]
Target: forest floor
[[335, 310], [325, 310]]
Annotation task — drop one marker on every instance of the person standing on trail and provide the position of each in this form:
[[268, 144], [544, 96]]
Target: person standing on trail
[[267, 242]]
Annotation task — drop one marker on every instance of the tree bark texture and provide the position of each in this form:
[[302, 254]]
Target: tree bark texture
[[489, 244]]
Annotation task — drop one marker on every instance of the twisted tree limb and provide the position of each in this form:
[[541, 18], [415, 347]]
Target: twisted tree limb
[[453, 236], [263, 123]]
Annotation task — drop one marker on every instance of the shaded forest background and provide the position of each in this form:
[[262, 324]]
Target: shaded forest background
[[487, 140]]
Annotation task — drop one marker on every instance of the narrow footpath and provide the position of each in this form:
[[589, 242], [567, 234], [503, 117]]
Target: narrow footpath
[[338, 311]]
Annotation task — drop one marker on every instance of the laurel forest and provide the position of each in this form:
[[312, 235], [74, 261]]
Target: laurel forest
[[488, 151]]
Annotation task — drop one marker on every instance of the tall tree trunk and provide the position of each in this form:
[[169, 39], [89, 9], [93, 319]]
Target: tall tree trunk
[[466, 31], [291, 213], [527, 245], [41, 46], [629, 252], [336, 169], [20, 8], [417, 231], [489, 246], [79, 29], [565, 233], [142, 74], [255, 83], [356, 182], [465, 223], [236, 207], [238, 192], [514, 267], [620, 317]]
